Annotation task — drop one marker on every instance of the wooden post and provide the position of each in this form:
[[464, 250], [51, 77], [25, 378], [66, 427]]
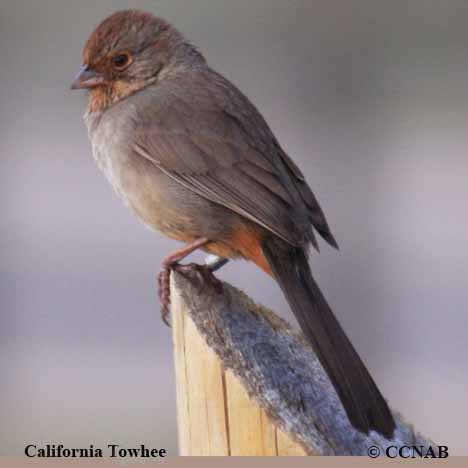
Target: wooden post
[[248, 384]]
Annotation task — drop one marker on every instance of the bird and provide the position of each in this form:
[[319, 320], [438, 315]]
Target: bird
[[194, 159]]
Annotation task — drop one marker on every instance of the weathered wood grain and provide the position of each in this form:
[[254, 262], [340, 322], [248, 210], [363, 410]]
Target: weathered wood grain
[[248, 384]]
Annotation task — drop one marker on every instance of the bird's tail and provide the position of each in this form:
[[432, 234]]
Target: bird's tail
[[362, 400]]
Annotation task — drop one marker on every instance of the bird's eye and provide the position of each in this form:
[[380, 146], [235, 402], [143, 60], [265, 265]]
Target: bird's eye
[[120, 60]]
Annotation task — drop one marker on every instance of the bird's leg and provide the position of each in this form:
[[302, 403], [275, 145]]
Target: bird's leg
[[165, 274], [215, 263]]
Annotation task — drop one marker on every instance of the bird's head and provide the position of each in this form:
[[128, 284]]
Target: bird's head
[[128, 51]]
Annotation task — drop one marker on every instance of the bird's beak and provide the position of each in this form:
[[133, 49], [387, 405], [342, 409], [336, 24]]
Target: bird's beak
[[87, 78]]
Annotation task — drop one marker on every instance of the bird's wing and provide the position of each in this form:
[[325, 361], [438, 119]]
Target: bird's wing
[[214, 142]]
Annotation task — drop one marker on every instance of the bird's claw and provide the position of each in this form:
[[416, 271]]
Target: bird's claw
[[164, 291], [164, 285]]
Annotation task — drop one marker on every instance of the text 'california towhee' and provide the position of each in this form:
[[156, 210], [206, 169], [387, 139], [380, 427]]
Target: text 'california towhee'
[[194, 159]]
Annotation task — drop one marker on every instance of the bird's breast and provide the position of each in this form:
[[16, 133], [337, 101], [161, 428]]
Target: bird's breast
[[110, 155], [161, 203]]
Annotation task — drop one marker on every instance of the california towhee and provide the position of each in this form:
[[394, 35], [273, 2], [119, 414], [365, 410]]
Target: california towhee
[[194, 159]]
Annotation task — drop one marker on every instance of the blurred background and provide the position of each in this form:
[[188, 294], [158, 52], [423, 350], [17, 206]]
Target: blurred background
[[371, 100]]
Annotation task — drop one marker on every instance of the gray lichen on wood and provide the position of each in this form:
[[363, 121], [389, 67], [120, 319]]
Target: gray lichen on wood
[[278, 368]]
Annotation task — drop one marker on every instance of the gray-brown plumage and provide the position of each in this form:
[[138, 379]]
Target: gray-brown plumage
[[194, 159]]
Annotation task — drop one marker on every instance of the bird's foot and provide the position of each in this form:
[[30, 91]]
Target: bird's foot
[[164, 292], [204, 273], [164, 277]]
